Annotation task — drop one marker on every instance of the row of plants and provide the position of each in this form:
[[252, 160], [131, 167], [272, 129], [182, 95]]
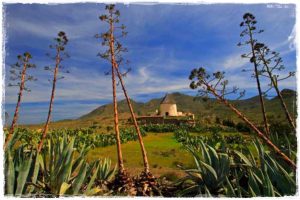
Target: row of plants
[[214, 139], [198, 128], [275, 125], [86, 136]]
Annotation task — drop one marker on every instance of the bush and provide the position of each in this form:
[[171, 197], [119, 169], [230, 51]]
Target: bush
[[228, 122], [242, 127], [280, 127]]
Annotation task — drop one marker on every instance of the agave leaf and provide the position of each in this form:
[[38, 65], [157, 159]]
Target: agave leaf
[[63, 188], [195, 176], [210, 170], [41, 162], [90, 184], [79, 179], [239, 191], [253, 186], [111, 173], [283, 181], [205, 152], [287, 141], [213, 154], [66, 171], [224, 166], [65, 154], [261, 153], [196, 158], [35, 173], [188, 190], [23, 174], [207, 192], [10, 173], [271, 189], [93, 191], [15, 137], [252, 192], [244, 158], [231, 190]]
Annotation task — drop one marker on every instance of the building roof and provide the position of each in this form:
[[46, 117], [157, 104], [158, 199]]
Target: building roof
[[168, 99]]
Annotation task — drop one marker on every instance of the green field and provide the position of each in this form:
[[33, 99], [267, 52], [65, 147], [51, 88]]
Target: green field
[[164, 153], [163, 150]]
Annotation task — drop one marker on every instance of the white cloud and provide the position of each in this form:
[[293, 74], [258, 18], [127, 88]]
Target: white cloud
[[292, 39], [234, 61]]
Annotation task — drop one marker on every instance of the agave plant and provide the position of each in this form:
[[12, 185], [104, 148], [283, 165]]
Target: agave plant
[[102, 177], [21, 166], [237, 174], [211, 172], [105, 173], [267, 177], [63, 172]]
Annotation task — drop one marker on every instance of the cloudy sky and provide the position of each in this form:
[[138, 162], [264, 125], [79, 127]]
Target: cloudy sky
[[165, 43]]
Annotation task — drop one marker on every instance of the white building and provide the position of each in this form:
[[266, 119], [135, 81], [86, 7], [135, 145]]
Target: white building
[[168, 106]]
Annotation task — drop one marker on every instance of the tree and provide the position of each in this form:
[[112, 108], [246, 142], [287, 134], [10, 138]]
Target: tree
[[215, 85], [60, 42], [250, 30], [272, 62], [19, 73]]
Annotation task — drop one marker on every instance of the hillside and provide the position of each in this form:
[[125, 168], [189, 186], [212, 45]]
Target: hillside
[[203, 109]]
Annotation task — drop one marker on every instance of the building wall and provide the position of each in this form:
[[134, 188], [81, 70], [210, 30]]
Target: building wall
[[171, 109]]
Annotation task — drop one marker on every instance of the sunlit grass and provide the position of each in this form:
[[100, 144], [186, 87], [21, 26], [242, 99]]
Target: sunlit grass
[[164, 153]]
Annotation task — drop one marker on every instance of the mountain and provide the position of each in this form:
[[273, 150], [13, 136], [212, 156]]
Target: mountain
[[203, 109]]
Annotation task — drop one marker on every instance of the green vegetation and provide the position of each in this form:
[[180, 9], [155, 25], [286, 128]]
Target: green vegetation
[[223, 171], [164, 152], [188, 160], [60, 169], [226, 153]]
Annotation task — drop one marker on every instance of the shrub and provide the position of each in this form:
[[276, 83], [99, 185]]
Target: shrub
[[242, 127], [228, 122]]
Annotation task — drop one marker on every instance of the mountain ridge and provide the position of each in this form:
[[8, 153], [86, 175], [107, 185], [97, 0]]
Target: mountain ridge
[[187, 103]]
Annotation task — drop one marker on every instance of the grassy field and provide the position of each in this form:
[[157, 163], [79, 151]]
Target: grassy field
[[163, 151]]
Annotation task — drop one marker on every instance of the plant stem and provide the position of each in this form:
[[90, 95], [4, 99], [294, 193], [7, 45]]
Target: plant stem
[[16, 114], [275, 84], [116, 117], [45, 130], [258, 84], [144, 152]]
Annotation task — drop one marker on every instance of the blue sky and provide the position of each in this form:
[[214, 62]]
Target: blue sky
[[165, 42]]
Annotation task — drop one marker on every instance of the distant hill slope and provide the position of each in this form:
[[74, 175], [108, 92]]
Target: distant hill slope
[[186, 103]]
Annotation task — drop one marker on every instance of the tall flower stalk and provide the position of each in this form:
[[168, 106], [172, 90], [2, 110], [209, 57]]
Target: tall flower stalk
[[59, 47], [19, 73], [272, 62], [250, 29], [147, 183], [110, 54]]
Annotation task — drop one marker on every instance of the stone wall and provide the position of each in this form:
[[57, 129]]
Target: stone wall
[[161, 120]]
